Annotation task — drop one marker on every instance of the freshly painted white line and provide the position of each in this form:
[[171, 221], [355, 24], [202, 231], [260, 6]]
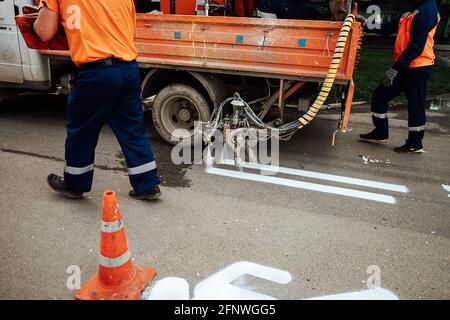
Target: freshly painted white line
[[446, 188], [303, 185], [323, 176], [371, 294]]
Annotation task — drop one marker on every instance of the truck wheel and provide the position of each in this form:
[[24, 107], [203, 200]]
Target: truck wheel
[[179, 106]]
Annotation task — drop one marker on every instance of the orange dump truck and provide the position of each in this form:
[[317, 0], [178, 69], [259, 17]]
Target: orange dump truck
[[190, 64]]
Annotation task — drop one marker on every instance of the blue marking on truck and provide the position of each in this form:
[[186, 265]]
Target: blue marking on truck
[[302, 43]]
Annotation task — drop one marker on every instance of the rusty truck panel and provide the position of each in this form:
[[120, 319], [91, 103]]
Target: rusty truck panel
[[293, 48]]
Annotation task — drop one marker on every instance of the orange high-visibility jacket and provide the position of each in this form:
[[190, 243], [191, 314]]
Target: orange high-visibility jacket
[[427, 57]]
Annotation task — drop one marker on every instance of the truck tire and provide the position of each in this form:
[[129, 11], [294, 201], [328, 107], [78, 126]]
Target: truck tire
[[179, 106]]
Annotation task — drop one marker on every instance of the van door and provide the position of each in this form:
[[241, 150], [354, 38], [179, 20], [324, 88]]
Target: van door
[[10, 58]]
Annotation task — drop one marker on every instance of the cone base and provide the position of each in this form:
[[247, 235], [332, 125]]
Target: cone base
[[95, 290]]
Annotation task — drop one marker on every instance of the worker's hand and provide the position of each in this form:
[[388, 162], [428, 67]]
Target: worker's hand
[[406, 15], [361, 19], [389, 77]]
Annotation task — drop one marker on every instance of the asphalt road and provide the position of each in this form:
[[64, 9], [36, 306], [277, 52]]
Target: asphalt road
[[204, 222]]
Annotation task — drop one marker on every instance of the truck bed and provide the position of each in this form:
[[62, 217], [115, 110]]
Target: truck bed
[[276, 48]]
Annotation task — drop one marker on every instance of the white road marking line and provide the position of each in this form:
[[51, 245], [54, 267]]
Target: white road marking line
[[303, 185], [371, 294], [446, 188], [323, 176]]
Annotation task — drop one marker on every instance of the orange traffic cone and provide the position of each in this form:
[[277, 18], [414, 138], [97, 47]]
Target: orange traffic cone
[[117, 277]]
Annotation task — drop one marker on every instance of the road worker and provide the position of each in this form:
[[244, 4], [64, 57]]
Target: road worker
[[106, 88], [413, 60]]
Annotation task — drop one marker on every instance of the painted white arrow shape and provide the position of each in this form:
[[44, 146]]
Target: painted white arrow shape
[[219, 287], [168, 289]]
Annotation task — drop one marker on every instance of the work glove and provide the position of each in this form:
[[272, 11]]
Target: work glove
[[389, 77], [407, 14], [361, 19]]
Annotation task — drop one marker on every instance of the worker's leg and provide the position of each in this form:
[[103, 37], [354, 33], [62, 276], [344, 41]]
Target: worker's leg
[[380, 105], [416, 92], [90, 101], [127, 122]]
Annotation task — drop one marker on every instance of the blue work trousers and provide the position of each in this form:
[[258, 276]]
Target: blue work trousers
[[107, 95], [414, 84]]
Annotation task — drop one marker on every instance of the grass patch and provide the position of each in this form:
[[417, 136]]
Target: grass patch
[[375, 62]]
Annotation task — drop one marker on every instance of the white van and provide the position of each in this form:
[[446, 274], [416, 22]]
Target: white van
[[20, 67]]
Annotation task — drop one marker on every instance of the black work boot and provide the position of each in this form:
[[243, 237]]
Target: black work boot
[[152, 194], [408, 149], [57, 183], [372, 137]]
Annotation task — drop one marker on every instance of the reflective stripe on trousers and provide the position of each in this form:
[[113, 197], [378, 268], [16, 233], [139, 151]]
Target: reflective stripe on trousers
[[142, 169], [380, 115], [417, 129], [77, 170]]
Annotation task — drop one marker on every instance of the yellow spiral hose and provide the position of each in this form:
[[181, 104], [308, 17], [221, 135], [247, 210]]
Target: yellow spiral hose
[[332, 71]]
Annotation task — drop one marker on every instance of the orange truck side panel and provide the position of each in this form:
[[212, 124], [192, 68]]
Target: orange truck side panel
[[280, 48], [273, 46]]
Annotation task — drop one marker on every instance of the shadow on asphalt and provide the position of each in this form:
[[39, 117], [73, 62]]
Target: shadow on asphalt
[[48, 107]]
